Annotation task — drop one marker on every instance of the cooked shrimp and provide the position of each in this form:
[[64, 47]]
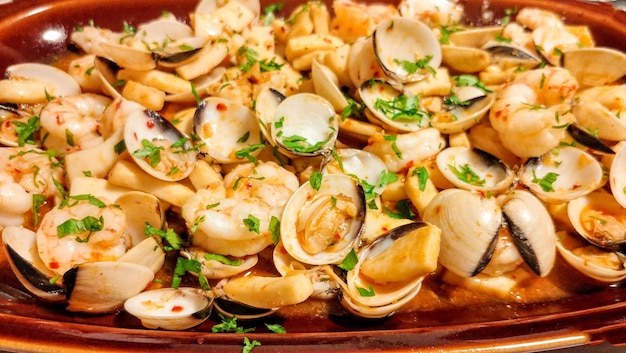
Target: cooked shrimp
[[25, 172], [549, 33], [253, 196], [432, 12], [530, 114], [73, 123], [81, 232]]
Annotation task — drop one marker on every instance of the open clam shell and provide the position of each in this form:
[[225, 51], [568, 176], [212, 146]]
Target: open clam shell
[[227, 128], [170, 308], [158, 147], [213, 268], [407, 49], [21, 250], [473, 169], [305, 124], [365, 166], [473, 104], [326, 85], [391, 108], [321, 226], [598, 109], [600, 219], [390, 270], [562, 174], [601, 265]]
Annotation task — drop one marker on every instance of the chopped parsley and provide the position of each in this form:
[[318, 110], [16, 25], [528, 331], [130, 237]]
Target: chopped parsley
[[546, 182], [467, 175], [350, 261]]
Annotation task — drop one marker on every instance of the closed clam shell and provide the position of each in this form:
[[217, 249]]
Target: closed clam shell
[[322, 226], [469, 225], [170, 308], [562, 174]]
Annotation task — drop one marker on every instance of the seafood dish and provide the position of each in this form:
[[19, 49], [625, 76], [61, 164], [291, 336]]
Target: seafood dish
[[341, 160]]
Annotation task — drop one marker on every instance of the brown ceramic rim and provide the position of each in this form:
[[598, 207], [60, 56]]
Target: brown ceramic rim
[[35, 327]]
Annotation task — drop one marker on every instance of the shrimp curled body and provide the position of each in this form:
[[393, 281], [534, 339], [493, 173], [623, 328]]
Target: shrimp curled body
[[530, 114]]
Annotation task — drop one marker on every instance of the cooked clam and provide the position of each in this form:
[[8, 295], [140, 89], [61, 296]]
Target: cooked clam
[[219, 266], [586, 138], [322, 224], [469, 227], [512, 55], [390, 270], [598, 218], [33, 83], [158, 147], [391, 108], [326, 85], [589, 65], [110, 282], [464, 59], [467, 106], [21, 250], [305, 124], [227, 129], [406, 49], [170, 308], [599, 109], [473, 169], [365, 166], [562, 174], [616, 175], [532, 230], [592, 261]]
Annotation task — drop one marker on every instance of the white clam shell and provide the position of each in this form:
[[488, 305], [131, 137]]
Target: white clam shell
[[103, 287], [469, 225], [146, 126], [326, 85], [532, 229], [21, 252], [589, 66], [214, 269], [617, 181], [54, 82], [221, 125], [575, 173], [599, 219], [169, 308], [313, 217], [488, 174], [305, 124], [567, 246], [461, 118], [391, 108], [366, 166], [404, 39]]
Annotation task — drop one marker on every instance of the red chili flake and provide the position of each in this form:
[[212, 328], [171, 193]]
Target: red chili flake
[[150, 124], [177, 308], [222, 107], [53, 265]]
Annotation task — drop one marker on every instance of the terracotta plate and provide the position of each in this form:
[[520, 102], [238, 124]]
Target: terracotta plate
[[36, 30]]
